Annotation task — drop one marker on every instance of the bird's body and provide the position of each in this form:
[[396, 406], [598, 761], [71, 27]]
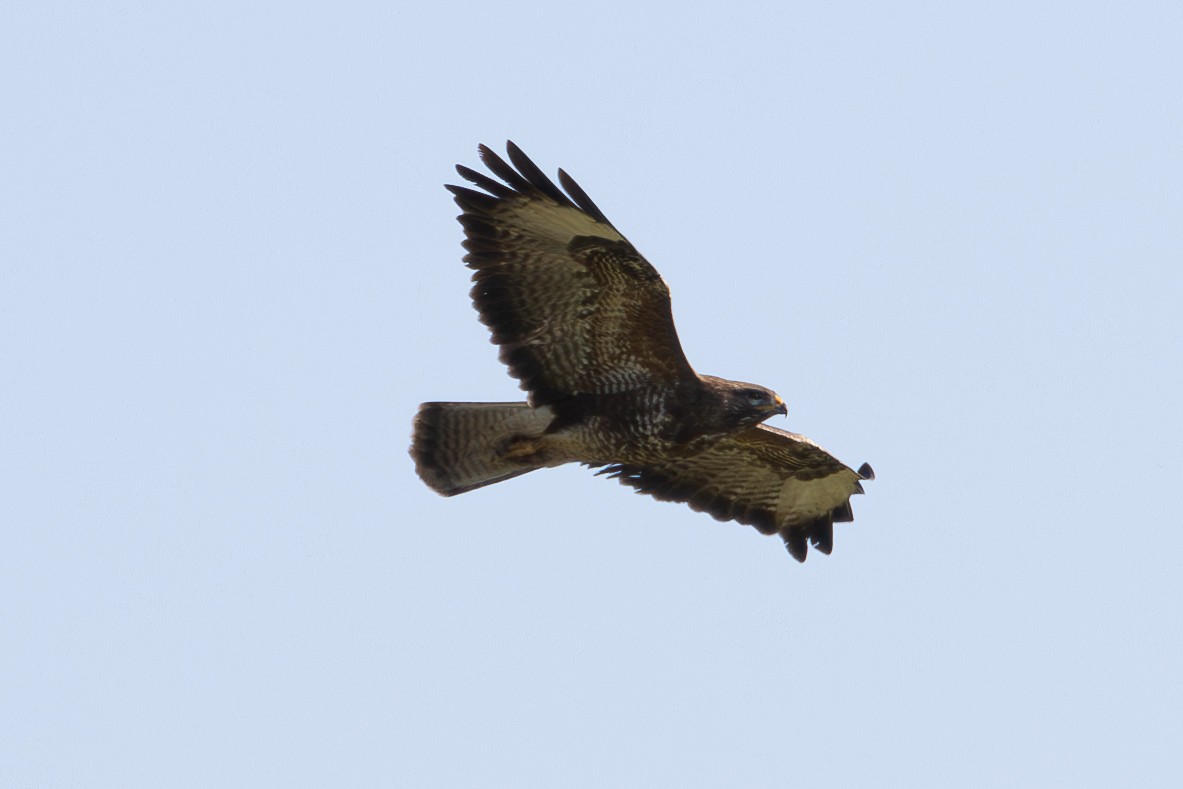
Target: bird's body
[[584, 322]]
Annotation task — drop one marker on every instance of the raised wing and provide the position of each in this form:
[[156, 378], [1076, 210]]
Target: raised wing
[[575, 309], [777, 481]]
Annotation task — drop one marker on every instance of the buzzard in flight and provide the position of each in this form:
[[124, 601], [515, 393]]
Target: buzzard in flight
[[584, 323]]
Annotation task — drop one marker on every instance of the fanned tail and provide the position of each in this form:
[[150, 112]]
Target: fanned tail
[[458, 447]]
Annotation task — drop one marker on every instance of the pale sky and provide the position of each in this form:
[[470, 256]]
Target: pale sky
[[948, 234]]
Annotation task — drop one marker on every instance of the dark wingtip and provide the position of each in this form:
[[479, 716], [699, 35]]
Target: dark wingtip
[[795, 543], [866, 472], [580, 197], [821, 536]]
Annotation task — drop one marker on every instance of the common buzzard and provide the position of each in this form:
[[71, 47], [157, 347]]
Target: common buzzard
[[584, 323]]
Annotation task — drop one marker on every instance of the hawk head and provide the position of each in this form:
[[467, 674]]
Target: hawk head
[[743, 404]]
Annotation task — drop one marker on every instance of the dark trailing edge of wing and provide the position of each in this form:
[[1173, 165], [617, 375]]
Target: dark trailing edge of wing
[[653, 483], [818, 532]]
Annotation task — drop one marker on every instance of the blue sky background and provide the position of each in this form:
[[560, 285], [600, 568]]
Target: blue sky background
[[949, 234]]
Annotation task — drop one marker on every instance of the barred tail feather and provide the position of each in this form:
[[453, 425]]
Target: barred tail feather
[[458, 447]]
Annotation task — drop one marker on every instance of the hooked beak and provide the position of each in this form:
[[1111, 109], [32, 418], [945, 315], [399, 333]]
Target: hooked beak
[[779, 407]]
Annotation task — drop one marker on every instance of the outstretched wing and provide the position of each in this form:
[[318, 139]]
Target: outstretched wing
[[575, 309], [777, 481]]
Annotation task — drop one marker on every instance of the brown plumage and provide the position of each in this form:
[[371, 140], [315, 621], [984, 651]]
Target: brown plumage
[[584, 323]]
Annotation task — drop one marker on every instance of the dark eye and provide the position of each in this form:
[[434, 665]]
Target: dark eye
[[755, 396]]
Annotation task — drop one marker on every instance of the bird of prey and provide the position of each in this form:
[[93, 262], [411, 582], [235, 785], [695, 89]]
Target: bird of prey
[[584, 323]]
